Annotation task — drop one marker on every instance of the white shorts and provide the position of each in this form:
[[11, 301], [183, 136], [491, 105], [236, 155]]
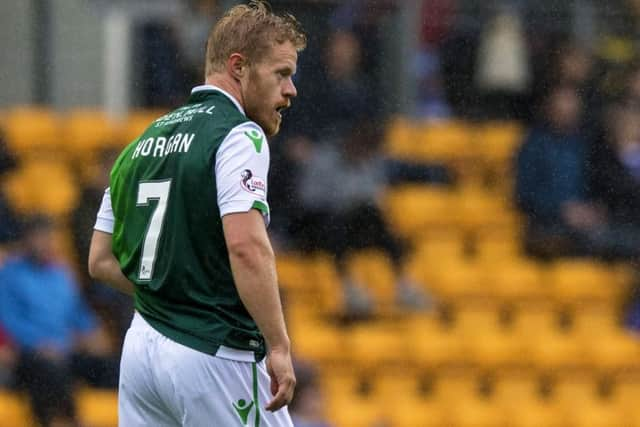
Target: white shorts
[[166, 384]]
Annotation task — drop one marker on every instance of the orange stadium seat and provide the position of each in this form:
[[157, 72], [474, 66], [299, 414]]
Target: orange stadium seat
[[33, 132], [42, 186]]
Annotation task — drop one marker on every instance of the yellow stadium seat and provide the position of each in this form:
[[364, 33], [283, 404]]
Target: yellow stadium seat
[[605, 343], [318, 342], [581, 280], [348, 404], [97, 408], [87, 131], [463, 400], [499, 244], [626, 395], [445, 141], [14, 410], [518, 395], [42, 186], [498, 141], [32, 131], [412, 209], [477, 209], [429, 141], [432, 247], [488, 343], [401, 138], [136, 123], [455, 279], [374, 270], [293, 272], [582, 404], [433, 345], [515, 279], [543, 342], [374, 345]]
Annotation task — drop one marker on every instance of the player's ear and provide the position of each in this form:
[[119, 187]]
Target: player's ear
[[237, 65]]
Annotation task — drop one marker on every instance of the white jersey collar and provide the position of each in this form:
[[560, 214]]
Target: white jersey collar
[[224, 92]]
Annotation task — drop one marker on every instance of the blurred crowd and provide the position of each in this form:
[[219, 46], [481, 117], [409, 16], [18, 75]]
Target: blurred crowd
[[577, 175]]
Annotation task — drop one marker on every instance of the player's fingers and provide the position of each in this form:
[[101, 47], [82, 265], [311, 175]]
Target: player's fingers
[[283, 396], [274, 385]]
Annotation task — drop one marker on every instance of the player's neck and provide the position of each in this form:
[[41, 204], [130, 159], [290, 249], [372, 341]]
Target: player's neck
[[227, 84]]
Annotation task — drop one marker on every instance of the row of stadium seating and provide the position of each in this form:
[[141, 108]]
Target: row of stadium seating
[[32, 131], [457, 397], [96, 408], [453, 277], [33, 128]]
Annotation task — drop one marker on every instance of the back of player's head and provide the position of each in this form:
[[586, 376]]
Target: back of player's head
[[250, 30]]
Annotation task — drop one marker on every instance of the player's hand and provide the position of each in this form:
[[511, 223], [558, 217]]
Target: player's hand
[[283, 379]]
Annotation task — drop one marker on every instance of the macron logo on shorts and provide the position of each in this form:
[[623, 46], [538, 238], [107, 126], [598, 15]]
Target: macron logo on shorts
[[243, 408]]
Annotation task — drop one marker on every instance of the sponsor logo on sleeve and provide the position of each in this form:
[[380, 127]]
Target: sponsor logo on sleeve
[[253, 184]]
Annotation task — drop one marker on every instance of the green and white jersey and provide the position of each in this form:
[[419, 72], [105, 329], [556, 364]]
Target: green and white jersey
[[168, 192]]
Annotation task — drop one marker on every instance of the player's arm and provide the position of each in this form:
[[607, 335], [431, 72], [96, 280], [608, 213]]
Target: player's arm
[[103, 265], [254, 272], [241, 168]]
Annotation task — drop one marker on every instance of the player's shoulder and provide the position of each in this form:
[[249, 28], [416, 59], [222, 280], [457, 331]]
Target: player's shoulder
[[248, 133]]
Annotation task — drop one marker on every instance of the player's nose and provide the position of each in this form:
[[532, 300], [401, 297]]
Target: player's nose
[[289, 89]]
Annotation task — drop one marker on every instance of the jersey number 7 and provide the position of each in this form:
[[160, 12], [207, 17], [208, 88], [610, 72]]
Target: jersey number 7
[[152, 190]]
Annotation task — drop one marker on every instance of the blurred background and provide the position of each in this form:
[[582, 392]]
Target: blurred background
[[455, 192]]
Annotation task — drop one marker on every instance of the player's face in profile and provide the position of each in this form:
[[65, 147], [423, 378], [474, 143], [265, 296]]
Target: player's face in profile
[[270, 87]]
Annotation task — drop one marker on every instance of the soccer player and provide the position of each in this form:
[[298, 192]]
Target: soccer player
[[182, 227]]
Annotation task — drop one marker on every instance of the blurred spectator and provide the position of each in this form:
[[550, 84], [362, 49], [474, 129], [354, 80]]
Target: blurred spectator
[[339, 189], [115, 308], [503, 72], [200, 14], [552, 189], [436, 20], [364, 19], [8, 225], [307, 408], [55, 332], [7, 358], [329, 104]]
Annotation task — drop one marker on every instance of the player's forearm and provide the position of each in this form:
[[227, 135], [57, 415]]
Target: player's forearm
[[103, 265], [108, 271], [256, 280]]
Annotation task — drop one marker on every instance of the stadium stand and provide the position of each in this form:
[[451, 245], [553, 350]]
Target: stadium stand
[[498, 349]]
